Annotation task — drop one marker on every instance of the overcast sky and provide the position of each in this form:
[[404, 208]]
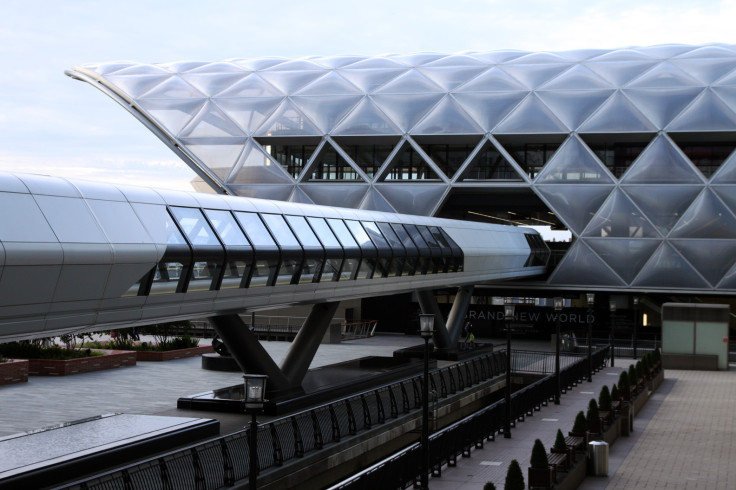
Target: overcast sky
[[52, 124]]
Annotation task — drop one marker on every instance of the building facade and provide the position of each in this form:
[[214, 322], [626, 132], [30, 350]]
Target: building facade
[[631, 150]]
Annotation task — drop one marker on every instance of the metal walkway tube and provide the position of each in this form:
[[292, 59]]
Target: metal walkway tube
[[456, 318], [428, 304], [250, 354], [304, 346]]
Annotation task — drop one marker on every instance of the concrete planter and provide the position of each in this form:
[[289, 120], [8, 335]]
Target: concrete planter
[[54, 367], [575, 476], [13, 371], [157, 356]]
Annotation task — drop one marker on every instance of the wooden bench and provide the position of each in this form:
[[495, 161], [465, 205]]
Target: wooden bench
[[575, 442], [557, 460]]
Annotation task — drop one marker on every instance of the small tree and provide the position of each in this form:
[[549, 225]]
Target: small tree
[[657, 356], [639, 370], [615, 395], [560, 444], [539, 459], [489, 486], [592, 415], [580, 426], [604, 399], [514, 477], [623, 381], [632, 375]]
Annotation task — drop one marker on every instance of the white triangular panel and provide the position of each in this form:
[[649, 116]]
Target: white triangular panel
[[573, 162], [335, 194], [579, 77], [664, 75], [727, 193], [581, 266], [488, 108], [218, 158], [411, 82], [330, 84], [447, 118], [326, 111], [663, 205], [369, 80], [574, 106], [374, 201], [706, 70], [493, 80], [298, 195], [536, 75], [172, 115], [413, 199], [451, 77], [662, 105], [288, 120], [531, 116], [249, 113], [667, 269], [707, 217], [211, 122], [618, 217], [290, 81], [707, 113], [172, 88], [212, 84], [575, 204], [136, 85], [661, 163], [626, 256], [251, 86], [712, 258], [406, 110], [617, 114], [619, 73], [256, 166], [366, 119]]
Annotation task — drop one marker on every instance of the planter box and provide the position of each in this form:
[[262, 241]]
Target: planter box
[[149, 355], [13, 371], [54, 367]]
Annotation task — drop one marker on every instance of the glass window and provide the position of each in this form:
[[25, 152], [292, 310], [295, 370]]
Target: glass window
[[342, 233], [264, 272], [203, 273], [303, 232], [152, 216], [166, 277], [281, 230], [255, 229], [196, 228], [310, 271], [236, 274], [227, 228], [360, 235], [412, 252], [372, 229], [323, 231]]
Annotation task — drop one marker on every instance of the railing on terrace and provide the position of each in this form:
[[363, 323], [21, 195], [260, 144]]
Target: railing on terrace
[[222, 461]]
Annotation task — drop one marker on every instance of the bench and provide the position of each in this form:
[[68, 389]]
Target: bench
[[575, 442], [557, 460]]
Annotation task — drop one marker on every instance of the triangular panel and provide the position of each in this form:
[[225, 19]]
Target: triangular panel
[[255, 166], [707, 217], [662, 105], [579, 77], [450, 77], [667, 269], [531, 116], [575, 204], [664, 75], [298, 195], [661, 163], [218, 158], [263, 191], [618, 217], [707, 113], [729, 280], [411, 82], [330, 84], [532, 76], [406, 109], [172, 115], [488, 108], [617, 114], [582, 266], [625, 256], [447, 118], [212, 84], [663, 204], [712, 258], [326, 111], [408, 164], [288, 120], [137, 85], [369, 80], [329, 164], [413, 199], [619, 73], [374, 201], [573, 162], [727, 193], [211, 122], [172, 88], [334, 194], [249, 113], [366, 119], [727, 172], [574, 106], [494, 80], [706, 70], [490, 164], [251, 86], [290, 81]]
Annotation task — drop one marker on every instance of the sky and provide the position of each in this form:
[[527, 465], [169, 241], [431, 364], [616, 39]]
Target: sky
[[54, 125]]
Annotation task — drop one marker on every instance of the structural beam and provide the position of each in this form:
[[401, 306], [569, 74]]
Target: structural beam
[[456, 318], [428, 304], [250, 354], [304, 346]]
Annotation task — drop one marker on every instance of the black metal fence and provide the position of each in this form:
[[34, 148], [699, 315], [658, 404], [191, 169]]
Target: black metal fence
[[220, 462], [403, 469]]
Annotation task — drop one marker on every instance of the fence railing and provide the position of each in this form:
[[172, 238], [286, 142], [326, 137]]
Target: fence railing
[[403, 469], [222, 461]]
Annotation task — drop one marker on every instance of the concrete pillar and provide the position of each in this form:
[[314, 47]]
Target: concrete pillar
[[251, 356], [302, 350], [428, 304], [456, 318]]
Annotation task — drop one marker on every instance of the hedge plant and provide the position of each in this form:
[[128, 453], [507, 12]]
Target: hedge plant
[[514, 477], [539, 459]]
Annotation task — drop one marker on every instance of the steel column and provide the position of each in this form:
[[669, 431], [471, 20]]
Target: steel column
[[428, 304], [456, 318]]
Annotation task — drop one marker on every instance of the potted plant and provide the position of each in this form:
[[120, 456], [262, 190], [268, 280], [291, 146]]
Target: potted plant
[[604, 404], [593, 418], [514, 477], [633, 380], [540, 474], [489, 486], [580, 429], [561, 447], [623, 386]]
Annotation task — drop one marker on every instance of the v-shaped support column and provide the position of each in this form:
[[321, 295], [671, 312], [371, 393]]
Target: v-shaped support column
[[428, 304], [456, 318]]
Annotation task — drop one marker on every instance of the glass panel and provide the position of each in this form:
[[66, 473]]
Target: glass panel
[[707, 217], [489, 108], [367, 267], [195, 226], [617, 114], [292, 155], [667, 269], [448, 157], [288, 120], [661, 163], [706, 155], [287, 272], [712, 258], [424, 264], [615, 154], [342, 233], [663, 204], [573, 162], [226, 227], [618, 217], [447, 118], [360, 236], [256, 230], [582, 266], [331, 270], [406, 110], [494, 80], [152, 216], [330, 165], [236, 274], [409, 165], [412, 82], [575, 204], [531, 157], [203, 273], [310, 271], [166, 278], [249, 113], [625, 256], [281, 230], [662, 105], [531, 116], [369, 157], [573, 107], [323, 231], [256, 167], [264, 272], [211, 122], [303, 232], [489, 164], [349, 268], [326, 111], [366, 119], [375, 234]]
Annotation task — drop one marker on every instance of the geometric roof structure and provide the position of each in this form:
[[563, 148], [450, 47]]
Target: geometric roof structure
[[632, 150]]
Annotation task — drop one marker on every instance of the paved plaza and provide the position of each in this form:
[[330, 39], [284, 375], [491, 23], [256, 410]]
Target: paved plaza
[[683, 438]]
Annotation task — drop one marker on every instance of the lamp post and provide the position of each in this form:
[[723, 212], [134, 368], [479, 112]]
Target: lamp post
[[426, 328], [591, 302], [559, 302], [612, 334], [255, 390], [508, 314], [636, 321]]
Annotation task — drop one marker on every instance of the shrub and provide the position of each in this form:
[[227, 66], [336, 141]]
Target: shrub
[[539, 459], [489, 486], [514, 477], [592, 414], [639, 370], [633, 379], [615, 395], [33, 350], [656, 355], [580, 426], [623, 381], [604, 399], [560, 444]]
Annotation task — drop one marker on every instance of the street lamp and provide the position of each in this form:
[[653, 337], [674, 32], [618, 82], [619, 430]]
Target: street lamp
[[591, 302], [612, 334], [255, 390], [508, 314], [559, 303], [426, 328], [636, 321]]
